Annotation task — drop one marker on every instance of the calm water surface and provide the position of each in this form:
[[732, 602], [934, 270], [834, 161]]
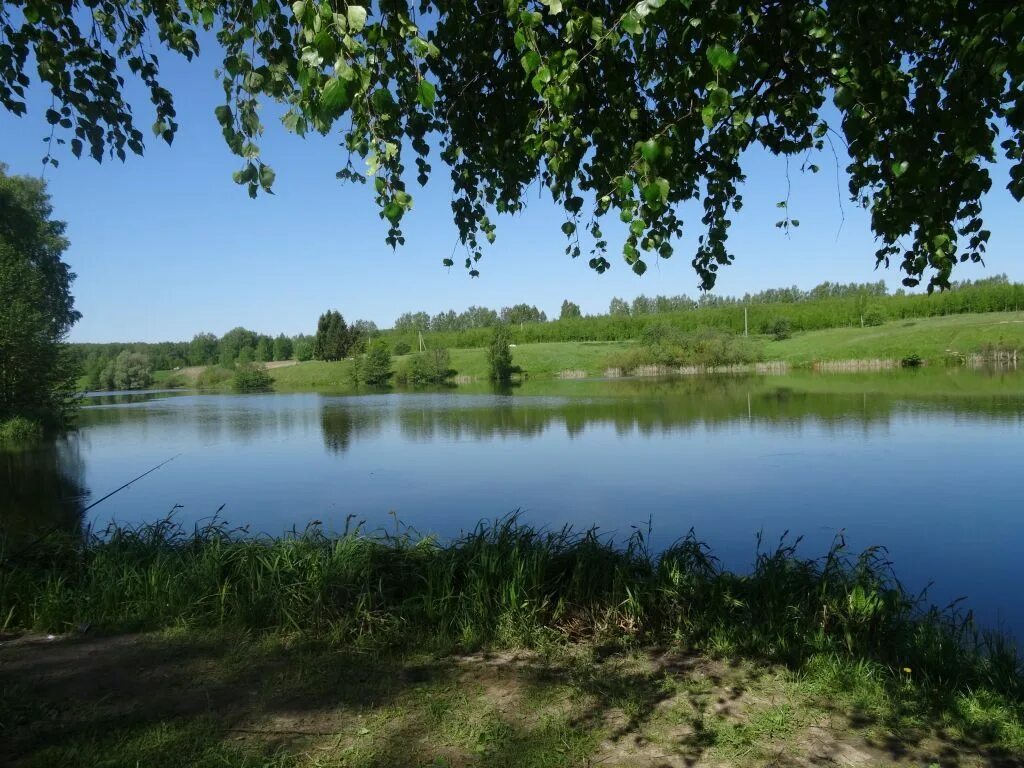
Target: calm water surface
[[929, 464]]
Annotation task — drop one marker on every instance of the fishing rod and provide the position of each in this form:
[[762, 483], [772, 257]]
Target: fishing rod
[[117, 490], [52, 530]]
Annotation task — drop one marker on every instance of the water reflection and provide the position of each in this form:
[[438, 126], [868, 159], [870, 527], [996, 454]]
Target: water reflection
[[41, 490]]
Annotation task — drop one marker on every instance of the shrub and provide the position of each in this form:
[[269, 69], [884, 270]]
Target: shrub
[[402, 348], [20, 430], [252, 378], [213, 377], [304, 351], [912, 361], [874, 316], [426, 368], [780, 328], [662, 345]]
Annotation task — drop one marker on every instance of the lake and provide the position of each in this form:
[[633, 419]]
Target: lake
[[928, 463]]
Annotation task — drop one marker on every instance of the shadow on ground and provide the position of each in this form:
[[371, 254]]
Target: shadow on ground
[[163, 700]]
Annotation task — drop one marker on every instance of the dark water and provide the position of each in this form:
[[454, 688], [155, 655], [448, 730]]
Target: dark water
[[929, 464]]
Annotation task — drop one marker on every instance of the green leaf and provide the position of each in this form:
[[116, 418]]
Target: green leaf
[[530, 61], [650, 150], [298, 8], [223, 113], [393, 212], [639, 266], [427, 94], [335, 98], [721, 59], [720, 98], [656, 192], [843, 97], [899, 168], [542, 77], [356, 18], [637, 227], [707, 115], [631, 24], [382, 100], [267, 177]]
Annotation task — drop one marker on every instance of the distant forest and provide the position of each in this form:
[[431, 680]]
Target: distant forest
[[824, 306]]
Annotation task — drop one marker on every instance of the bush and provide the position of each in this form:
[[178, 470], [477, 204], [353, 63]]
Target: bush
[[780, 328], [912, 361], [874, 316], [304, 351], [252, 378], [214, 377], [402, 348], [20, 430], [662, 345], [426, 368]]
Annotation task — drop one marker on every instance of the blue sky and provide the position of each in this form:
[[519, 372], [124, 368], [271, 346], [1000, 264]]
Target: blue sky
[[166, 246]]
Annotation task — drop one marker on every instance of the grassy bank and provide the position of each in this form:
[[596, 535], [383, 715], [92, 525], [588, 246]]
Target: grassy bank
[[837, 631], [932, 339]]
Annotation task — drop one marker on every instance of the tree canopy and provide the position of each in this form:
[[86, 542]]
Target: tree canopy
[[620, 108], [36, 306]]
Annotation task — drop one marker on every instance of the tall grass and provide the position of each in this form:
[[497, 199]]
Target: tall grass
[[503, 583]]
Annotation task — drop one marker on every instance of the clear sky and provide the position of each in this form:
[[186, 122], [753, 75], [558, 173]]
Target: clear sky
[[166, 245]]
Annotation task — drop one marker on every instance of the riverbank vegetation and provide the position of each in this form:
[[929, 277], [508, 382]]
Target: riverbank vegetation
[[839, 627]]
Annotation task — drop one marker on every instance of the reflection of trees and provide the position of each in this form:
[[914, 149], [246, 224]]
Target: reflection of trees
[[669, 407], [41, 490], [342, 423]]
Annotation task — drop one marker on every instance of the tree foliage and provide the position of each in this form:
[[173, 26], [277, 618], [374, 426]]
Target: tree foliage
[[36, 305], [619, 108], [375, 365], [333, 340], [499, 354], [570, 310], [130, 370]]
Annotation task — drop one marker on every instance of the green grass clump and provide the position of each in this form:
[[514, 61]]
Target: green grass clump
[[20, 430], [251, 378]]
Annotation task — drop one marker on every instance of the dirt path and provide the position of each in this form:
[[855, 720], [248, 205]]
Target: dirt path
[[163, 700]]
